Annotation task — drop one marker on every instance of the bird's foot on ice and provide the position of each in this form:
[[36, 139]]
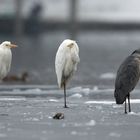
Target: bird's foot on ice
[[66, 106]]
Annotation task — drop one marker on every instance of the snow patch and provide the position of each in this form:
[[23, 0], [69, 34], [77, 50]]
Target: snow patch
[[91, 123], [108, 76], [77, 95], [12, 99], [35, 119], [79, 133], [133, 113], [73, 133], [100, 102], [99, 107], [53, 100], [86, 91], [49, 117], [95, 88], [114, 134], [76, 89], [117, 106], [135, 101], [2, 135]]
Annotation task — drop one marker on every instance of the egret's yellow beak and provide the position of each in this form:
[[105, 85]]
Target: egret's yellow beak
[[13, 46]]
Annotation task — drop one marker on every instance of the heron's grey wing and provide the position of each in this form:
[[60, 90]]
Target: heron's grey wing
[[128, 75]]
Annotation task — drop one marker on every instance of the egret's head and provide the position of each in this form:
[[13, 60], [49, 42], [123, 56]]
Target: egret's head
[[7, 44], [69, 43]]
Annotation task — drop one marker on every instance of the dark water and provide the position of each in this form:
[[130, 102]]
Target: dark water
[[100, 53]]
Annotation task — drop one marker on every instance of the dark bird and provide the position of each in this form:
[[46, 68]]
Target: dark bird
[[127, 78]]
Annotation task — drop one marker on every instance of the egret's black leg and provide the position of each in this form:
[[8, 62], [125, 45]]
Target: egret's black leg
[[125, 108], [65, 104], [129, 102]]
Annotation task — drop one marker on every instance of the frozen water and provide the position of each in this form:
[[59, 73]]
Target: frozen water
[[114, 134], [95, 88], [108, 76], [2, 135], [91, 123], [12, 99], [100, 102], [134, 113], [73, 133], [116, 106], [31, 117], [77, 95], [135, 101], [53, 100]]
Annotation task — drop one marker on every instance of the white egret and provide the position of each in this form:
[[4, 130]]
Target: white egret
[[5, 58], [67, 58]]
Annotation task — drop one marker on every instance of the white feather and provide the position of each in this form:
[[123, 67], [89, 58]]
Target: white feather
[[66, 60], [5, 59]]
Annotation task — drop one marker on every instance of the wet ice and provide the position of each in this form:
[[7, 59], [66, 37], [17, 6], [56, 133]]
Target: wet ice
[[87, 116]]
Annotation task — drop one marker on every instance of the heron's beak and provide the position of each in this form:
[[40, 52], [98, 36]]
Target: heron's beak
[[13, 46]]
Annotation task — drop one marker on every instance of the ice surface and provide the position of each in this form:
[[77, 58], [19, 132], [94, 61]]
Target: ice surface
[[108, 75], [134, 113], [114, 134], [100, 102], [135, 101], [12, 99], [73, 133], [91, 123], [53, 100], [2, 135], [77, 95], [86, 118], [95, 88]]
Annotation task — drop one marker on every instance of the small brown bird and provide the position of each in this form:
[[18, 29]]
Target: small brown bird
[[15, 78]]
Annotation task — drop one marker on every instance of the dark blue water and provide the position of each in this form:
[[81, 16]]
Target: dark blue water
[[100, 52]]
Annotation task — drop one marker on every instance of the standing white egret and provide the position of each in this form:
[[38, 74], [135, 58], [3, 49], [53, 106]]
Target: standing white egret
[[5, 58], [67, 58]]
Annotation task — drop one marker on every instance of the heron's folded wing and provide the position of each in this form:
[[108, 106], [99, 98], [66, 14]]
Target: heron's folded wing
[[128, 75]]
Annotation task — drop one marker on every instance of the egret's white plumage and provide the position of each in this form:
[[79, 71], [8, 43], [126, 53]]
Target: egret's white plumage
[[5, 58], [67, 58]]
